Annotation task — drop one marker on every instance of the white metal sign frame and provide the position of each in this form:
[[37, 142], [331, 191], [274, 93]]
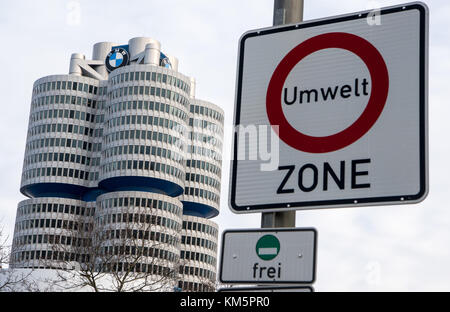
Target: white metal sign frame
[[308, 256], [346, 202]]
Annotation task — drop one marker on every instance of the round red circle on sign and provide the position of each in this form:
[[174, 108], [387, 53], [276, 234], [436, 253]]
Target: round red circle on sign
[[378, 96]]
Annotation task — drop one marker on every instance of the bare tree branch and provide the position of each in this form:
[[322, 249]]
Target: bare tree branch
[[13, 280], [120, 256]]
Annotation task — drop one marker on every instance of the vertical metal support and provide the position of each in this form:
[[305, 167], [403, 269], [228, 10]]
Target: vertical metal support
[[287, 12], [278, 219], [284, 12]]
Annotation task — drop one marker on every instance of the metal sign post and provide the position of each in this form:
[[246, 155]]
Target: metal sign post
[[284, 12]]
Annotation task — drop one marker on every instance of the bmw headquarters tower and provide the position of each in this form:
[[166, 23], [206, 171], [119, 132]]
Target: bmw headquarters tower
[[122, 140]]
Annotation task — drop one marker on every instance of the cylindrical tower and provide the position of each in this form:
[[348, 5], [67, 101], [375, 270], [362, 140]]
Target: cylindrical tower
[[199, 237], [141, 231], [47, 231], [145, 130], [59, 148], [204, 165]]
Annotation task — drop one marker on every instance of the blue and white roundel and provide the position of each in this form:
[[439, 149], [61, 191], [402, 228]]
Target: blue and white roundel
[[118, 57]]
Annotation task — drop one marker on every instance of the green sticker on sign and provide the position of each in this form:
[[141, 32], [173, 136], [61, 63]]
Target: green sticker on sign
[[267, 247]]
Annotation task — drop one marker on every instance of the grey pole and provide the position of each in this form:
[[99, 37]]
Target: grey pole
[[284, 12], [287, 12]]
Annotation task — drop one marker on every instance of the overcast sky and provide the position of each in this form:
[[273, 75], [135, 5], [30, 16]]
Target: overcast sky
[[384, 248]]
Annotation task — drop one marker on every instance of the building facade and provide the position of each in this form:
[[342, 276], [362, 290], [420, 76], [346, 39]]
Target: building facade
[[121, 147]]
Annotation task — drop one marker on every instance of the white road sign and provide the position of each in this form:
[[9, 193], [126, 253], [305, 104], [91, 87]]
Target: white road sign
[[274, 256], [333, 113]]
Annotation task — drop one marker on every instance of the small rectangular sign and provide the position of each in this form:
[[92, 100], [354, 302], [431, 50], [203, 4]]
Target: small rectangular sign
[[273, 256]]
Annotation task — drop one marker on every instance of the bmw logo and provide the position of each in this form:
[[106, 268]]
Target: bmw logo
[[164, 61], [118, 57]]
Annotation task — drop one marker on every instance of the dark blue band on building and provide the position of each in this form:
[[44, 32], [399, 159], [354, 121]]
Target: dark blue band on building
[[199, 210], [54, 190], [142, 184], [72, 191]]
